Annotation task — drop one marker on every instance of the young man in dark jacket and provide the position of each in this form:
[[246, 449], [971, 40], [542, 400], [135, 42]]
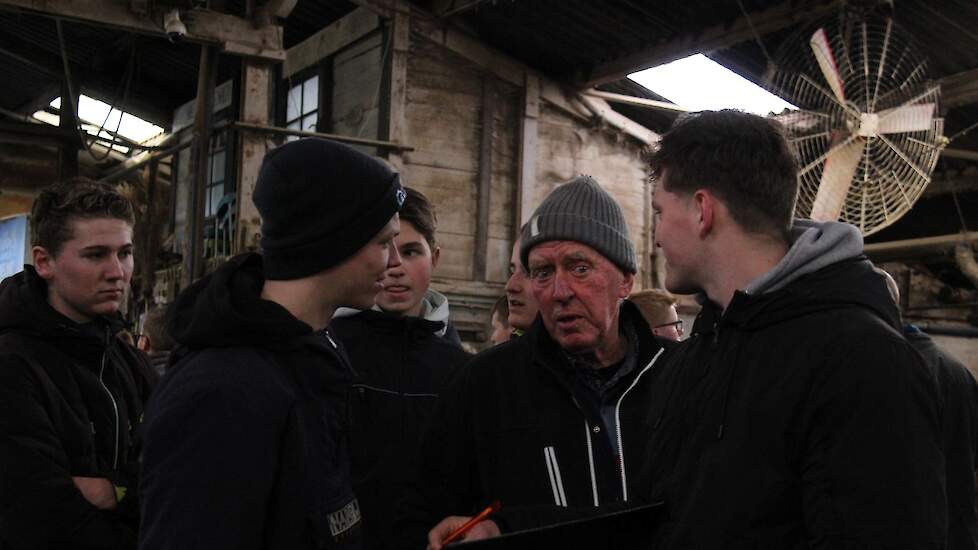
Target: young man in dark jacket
[[798, 417], [71, 392], [403, 353], [246, 437], [557, 418]]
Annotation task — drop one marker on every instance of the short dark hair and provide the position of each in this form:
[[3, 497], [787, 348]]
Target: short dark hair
[[417, 210], [744, 159], [78, 198]]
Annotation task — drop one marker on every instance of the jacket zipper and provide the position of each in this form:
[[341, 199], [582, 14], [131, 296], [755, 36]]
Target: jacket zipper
[[115, 408], [621, 448]]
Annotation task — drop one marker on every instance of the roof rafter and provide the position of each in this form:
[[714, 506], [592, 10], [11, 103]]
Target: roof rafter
[[714, 38]]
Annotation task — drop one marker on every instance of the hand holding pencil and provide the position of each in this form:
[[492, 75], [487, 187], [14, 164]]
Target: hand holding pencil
[[459, 528]]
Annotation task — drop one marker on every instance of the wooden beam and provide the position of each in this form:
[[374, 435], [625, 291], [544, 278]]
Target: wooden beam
[[272, 10], [329, 40], [256, 78], [661, 106], [960, 89], [526, 185], [394, 121], [514, 72], [193, 253], [234, 35], [488, 122], [601, 108], [717, 37]]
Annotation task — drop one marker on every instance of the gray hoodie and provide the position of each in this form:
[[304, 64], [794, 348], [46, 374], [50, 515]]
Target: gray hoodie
[[814, 245], [434, 307]]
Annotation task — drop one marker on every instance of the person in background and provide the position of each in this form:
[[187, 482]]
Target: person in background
[[155, 341], [959, 392], [499, 322], [658, 307], [247, 441], [519, 293], [403, 355], [71, 391]]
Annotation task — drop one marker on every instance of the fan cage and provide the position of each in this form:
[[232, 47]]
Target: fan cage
[[881, 70]]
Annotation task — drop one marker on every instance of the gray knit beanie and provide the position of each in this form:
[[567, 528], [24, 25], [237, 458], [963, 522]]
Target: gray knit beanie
[[581, 211]]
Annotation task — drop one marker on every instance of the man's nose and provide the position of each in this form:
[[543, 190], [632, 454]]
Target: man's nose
[[562, 289], [394, 258]]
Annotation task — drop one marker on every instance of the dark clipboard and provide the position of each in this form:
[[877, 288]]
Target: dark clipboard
[[624, 530]]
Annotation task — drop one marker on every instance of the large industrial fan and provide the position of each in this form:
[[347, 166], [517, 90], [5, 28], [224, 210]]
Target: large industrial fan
[[867, 133]]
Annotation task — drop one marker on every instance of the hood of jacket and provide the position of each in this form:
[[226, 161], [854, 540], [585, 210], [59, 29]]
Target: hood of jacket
[[433, 318], [24, 309], [225, 309], [824, 269]]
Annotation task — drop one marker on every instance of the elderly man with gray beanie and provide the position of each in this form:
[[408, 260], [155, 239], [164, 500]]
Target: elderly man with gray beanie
[[245, 441], [559, 417]]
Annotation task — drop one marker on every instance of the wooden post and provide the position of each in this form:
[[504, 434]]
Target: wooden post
[[256, 85], [485, 178], [528, 150], [396, 102], [193, 250]]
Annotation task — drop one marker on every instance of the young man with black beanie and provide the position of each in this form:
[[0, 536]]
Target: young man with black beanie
[[246, 438]]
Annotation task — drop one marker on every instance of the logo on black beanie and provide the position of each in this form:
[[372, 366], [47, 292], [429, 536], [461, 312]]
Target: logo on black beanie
[[401, 196]]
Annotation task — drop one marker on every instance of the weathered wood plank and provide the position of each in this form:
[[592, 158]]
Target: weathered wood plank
[[329, 40]]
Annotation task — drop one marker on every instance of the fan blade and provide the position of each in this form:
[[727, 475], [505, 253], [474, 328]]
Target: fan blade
[[837, 174], [826, 62], [911, 118], [799, 121]]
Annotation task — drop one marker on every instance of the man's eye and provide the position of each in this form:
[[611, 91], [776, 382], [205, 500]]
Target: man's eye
[[580, 269], [125, 253], [540, 273]]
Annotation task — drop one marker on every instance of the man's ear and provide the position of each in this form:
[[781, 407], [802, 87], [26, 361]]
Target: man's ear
[[627, 282], [44, 262], [435, 255], [706, 206]]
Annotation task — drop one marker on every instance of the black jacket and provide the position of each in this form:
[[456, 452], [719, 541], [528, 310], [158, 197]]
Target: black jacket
[[801, 419], [402, 365], [960, 394], [71, 399], [246, 435], [512, 427]]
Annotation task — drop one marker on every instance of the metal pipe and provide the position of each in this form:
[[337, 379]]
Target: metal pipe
[[335, 137]]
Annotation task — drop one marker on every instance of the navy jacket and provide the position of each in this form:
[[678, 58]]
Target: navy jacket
[[246, 443]]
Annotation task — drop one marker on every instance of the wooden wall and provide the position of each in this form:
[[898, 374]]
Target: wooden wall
[[448, 99]]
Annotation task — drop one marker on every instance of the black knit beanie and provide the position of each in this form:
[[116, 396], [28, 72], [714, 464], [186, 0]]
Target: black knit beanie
[[320, 201], [581, 211]]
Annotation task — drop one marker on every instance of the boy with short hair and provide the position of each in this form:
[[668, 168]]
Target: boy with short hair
[[404, 351], [71, 392]]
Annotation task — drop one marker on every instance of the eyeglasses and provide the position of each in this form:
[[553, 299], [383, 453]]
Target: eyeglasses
[[678, 324]]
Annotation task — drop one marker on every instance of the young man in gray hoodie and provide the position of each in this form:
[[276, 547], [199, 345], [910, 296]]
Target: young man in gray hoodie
[[798, 417], [403, 350]]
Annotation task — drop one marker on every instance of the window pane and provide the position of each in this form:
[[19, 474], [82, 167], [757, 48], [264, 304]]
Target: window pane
[[217, 166], [216, 193], [293, 126], [310, 95], [293, 103], [309, 122]]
